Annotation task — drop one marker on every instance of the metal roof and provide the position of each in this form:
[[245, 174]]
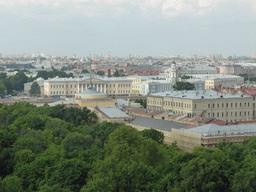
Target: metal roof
[[198, 94], [113, 111], [158, 123]]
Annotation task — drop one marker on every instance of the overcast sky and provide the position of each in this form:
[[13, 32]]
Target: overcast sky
[[122, 27]]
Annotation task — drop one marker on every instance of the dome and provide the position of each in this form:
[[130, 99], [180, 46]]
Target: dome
[[90, 93], [40, 79]]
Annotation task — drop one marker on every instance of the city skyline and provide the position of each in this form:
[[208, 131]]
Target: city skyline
[[121, 27]]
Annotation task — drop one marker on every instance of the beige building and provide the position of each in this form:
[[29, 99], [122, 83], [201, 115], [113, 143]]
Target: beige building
[[225, 81], [40, 81], [136, 84], [70, 86], [210, 135], [208, 103]]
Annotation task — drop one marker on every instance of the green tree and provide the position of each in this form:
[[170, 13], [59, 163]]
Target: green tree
[[85, 71], [11, 184], [18, 81], [68, 174], [116, 73], [77, 141], [154, 135], [101, 73], [35, 89], [183, 86], [2, 89]]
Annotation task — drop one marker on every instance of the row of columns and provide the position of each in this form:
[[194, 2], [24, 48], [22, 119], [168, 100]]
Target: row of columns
[[99, 87]]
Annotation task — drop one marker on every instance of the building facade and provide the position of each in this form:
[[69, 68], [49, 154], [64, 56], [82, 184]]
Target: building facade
[[208, 103], [225, 81], [69, 87]]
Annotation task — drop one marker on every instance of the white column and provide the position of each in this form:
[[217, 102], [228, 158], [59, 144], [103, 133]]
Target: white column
[[105, 88], [82, 87], [78, 87], [101, 87]]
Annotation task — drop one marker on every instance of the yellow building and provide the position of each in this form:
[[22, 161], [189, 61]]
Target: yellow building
[[225, 81], [71, 86], [136, 83], [208, 103]]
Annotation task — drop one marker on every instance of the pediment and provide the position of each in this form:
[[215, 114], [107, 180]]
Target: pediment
[[94, 80]]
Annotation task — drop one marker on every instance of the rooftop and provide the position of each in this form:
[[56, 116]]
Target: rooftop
[[163, 125], [195, 94]]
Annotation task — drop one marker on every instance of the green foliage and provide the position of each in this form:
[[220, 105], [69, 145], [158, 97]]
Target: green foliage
[[68, 174], [85, 71], [77, 141], [2, 89], [32, 140], [52, 74], [154, 135], [116, 73], [11, 184], [63, 149], [18, 81], [35, 89], [101, 73], [183, 86], [142, 102]]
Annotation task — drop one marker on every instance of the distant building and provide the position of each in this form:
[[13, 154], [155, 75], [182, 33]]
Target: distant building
[[155, 86], [225, 81]]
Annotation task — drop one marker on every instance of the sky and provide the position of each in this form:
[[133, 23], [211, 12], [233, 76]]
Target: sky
[[123, 27]]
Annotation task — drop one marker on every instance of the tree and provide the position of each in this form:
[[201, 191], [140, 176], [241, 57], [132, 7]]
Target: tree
[[35, 89], [68, 174], [77, 141], [18, 81], [142, 102], [101, 73], [2, 89], [85, 71], [183, 86], [116, 73], [154, 135], [11, 184]]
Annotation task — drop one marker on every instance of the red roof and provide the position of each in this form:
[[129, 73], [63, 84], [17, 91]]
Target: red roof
[[95, 62], [251, 91]]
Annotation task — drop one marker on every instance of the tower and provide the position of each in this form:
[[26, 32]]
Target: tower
[[173, 72]]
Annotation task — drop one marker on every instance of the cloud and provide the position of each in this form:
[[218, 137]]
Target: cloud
[[167, 8]]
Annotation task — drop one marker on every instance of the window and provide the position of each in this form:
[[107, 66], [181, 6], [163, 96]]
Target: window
[[212, 105], [226, 104], [248, 113], [248, 104], [57, 91], [244, 113], [208, 114], [240, 113], [71, 92], [67, 92], [235, 113], [51, 92], [231, 114], [212, 114], [231, 105], [62, 86], [240, 104], [227, 114], [245, 104], [235, 104], [217, 114], [71, 87], [209, 105], [218, 105], [222, 105], [62, 92], [67, 86], [51, 86], [75, 86], [222, 114], [56, 86]]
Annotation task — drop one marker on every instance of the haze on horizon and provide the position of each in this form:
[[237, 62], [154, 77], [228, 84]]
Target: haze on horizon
[[122, 27]]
